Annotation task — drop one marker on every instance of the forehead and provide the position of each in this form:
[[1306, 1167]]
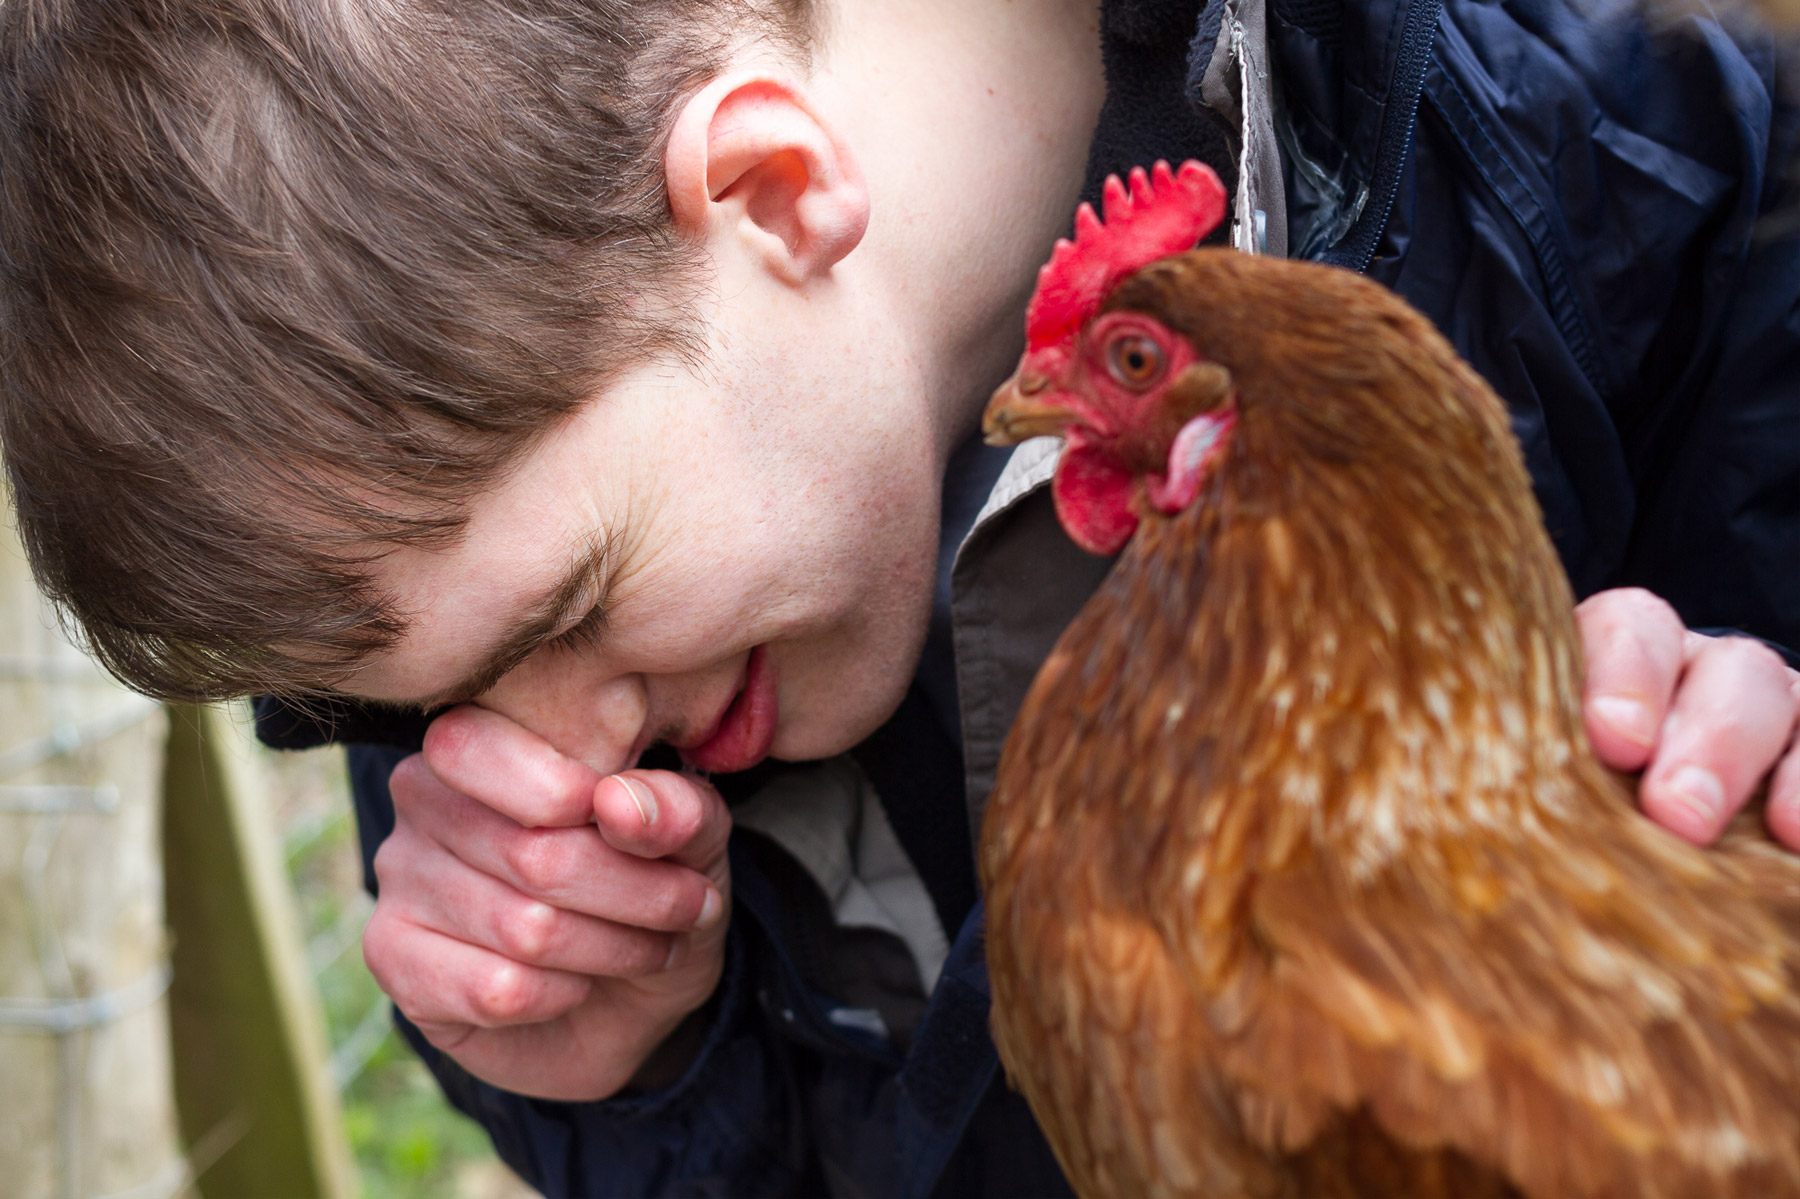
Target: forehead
[[523, 537]]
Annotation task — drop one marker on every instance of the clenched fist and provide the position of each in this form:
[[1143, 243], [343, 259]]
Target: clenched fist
[[543, 925]]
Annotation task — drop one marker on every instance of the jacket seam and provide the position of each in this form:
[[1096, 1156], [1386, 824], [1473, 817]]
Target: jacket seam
[[1452, 106]]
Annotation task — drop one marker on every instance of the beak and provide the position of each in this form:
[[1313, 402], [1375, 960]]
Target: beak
[[1022, 409]]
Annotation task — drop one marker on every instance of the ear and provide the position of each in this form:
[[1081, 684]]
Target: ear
[[750, 157]]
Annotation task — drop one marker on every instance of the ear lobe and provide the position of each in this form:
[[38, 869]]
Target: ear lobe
[[750, 158]]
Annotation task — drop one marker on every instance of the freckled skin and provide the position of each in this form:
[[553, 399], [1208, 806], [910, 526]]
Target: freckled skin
[[1302, 877]]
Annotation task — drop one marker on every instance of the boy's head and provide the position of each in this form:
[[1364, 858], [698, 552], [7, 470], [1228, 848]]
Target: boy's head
[[286, 281], [332, 335]]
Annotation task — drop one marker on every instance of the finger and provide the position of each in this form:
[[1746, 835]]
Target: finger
[[1783, 812], [490, 758], [441, 814], [580, 1056], [571, 868], [440, 892], [440, 980], [661, 814], [577, 870], [676, 816], [1730, 722], [1633, 645]]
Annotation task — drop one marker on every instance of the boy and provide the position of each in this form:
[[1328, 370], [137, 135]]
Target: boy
[[578, 379]]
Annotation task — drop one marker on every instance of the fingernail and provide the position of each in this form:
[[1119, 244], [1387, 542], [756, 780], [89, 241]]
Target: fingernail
[[641, 796], [1629, 718], [677, 951], [1700, 791], [709, 911]]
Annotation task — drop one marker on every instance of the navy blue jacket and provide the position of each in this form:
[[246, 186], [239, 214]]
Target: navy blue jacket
[[1600, 219]]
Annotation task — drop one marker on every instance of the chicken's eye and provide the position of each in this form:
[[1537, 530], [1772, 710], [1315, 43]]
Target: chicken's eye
[[1134, 360]]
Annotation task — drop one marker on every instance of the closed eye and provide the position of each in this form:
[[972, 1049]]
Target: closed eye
[[595, 575], [585, 633]]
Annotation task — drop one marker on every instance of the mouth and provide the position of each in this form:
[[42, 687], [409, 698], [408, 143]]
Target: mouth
[[744, 731]]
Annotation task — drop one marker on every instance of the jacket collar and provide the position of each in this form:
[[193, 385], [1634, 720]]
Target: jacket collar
[[1348, 78]]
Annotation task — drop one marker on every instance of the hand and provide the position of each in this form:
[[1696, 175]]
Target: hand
[[1707, 719], [546, 927]]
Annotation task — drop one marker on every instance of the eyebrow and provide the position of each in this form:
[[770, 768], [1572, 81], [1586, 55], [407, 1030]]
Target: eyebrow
[[539, 623]]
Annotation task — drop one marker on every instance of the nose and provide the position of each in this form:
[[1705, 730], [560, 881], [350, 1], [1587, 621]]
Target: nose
[[596, 717]]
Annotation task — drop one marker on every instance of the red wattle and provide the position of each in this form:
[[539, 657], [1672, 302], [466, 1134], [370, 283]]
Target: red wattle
[[1093, 500]]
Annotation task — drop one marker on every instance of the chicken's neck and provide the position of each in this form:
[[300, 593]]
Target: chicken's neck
[[1383, 660]]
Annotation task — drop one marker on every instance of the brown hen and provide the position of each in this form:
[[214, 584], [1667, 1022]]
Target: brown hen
[[1302, 878]]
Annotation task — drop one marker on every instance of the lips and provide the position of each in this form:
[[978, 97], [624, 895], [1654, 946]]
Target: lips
[[746, 728]]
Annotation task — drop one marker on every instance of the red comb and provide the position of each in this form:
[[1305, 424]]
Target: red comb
[[1165, 212]]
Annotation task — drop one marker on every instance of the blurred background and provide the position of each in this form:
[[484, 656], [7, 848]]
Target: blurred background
[[184, 1008], [405, 1140]]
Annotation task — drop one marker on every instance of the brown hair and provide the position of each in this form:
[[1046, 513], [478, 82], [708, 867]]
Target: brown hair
[[283, 282]]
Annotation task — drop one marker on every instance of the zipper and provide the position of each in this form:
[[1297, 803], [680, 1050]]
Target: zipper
[[1399, 121]]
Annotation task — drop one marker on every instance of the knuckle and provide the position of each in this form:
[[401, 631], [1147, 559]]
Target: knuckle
[[1640, 602], [503, 994], [544, 804], [389, 857], [380, 949], [711, 813], [1633, 612], [684, 825], [703, 815], [447, 1038], [641, 956], [402, 861], [1784, 787], [1753, 659], [410, 781], [721, 818], [673, 907], [529, 933], [540, 860]]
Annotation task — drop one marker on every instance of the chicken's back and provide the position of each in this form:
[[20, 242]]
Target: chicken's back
[[1590, 1008]]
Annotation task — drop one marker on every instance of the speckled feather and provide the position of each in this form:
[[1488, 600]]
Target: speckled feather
[[1302, 878]]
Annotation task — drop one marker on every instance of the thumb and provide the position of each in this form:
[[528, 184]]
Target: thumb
[[662, 814]]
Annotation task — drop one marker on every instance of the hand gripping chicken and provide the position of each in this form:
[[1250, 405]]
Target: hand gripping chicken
[[1302, 878]]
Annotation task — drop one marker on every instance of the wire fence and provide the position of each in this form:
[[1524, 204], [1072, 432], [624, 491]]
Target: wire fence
[[71, 1011]]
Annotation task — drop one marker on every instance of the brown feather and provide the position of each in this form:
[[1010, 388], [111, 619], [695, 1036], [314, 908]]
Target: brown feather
[[1302, 877]]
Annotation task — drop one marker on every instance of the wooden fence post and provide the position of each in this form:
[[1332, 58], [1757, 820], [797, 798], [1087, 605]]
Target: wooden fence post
[[250, 1069]]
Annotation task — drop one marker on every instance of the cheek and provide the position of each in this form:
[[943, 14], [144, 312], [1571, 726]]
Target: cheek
[[843, 677], [838, 688]]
